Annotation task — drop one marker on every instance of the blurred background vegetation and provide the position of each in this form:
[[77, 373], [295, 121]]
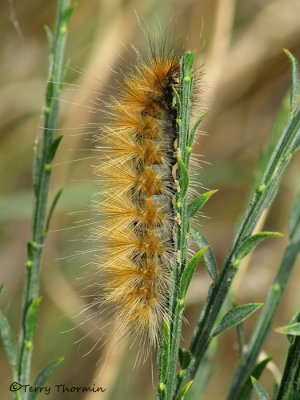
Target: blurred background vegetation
[[246, 75]]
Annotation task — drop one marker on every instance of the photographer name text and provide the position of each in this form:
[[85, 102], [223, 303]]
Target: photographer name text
[[61, 388]]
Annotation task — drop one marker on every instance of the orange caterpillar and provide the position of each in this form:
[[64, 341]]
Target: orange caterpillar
[[138, 224]]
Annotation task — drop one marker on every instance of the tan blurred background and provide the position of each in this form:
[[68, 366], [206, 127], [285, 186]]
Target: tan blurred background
[[240, 46]]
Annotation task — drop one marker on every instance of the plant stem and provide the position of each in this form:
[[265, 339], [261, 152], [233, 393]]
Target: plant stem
[[176, 303], [42, 175], [290, 384], [260, 199], [247, 363]]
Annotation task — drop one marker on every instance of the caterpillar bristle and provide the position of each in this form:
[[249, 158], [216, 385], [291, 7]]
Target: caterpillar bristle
[[136, 209]]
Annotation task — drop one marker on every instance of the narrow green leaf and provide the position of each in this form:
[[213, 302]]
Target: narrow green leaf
[[184, 391], [261, 393], [296, 318], [67, 67], [252, 241], [53, 148], [52, 208], [247, 388], [275, 389], [277, 129], [49, 95], [204, 374], [241, 338], [294, 220], [161, 391], [30, 249], [44, 375], [185, 357], [197, 204], [36, 168], [1, 287], [235, 316], [164, 350], [295, 126], [289, 384], [195, 127], [292, 329], [297, 387], [189, 59], [32, 318], [8, 340], [68, 13], [208, 257], [294, 96], [189, 271], [177, 101], [49, 36], [183, 179]]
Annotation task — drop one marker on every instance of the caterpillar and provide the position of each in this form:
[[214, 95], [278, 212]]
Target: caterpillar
[[137, 208]]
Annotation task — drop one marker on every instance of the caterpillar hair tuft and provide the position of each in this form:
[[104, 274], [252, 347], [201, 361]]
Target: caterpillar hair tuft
[[137, 174]]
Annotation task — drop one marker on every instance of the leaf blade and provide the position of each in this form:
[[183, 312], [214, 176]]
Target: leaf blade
[[292, 329], [184, 391], [208, 257], [195, 127], [183, 179], [295, 80], [185, 357], [235, 316], [294, 220], [53, 148], [44, 375], [252, 241], [261, 392], [198, 203], [32, 318], [247, 388], [189, 271], [8, 340], [164, 351], [52, 208]]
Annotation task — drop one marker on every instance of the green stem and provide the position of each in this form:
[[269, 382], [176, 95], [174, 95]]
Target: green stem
[[166, 388], [247, 363], [42, 175], [261, 198], [178, 303], [290, 381]]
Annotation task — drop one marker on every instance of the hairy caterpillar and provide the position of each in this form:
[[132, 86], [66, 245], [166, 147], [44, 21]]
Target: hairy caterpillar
[[138, 175]]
